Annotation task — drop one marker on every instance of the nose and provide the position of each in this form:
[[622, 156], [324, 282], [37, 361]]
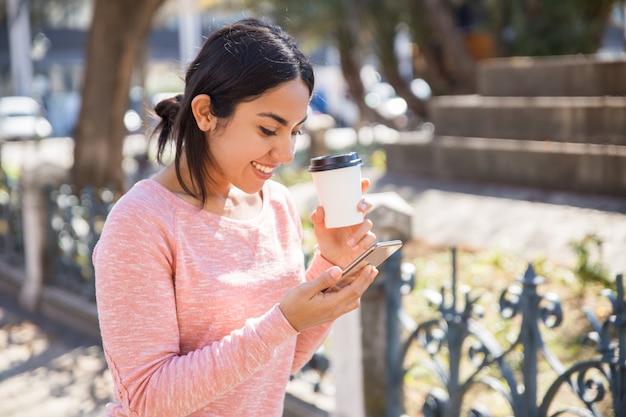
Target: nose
[[284, 149]]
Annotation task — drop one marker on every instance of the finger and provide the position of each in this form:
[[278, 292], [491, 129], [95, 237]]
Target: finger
[[365, 184], [365, 205], [347, 279], [317, 217], [362, 236]]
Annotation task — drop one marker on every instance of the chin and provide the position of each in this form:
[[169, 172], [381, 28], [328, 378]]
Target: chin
[[252, 189]]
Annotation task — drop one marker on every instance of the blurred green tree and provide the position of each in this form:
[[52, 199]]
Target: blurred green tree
[[116, 40], [442, 57], [338, 23], [546, 27], [384, 20], [366, 31]]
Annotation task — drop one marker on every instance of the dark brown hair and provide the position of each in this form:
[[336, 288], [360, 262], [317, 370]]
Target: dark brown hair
[[237, 63]]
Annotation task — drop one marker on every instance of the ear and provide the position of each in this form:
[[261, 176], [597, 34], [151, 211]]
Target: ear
[[201, 108]]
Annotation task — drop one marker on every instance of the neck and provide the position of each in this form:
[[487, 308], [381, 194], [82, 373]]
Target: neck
[[229, 201]]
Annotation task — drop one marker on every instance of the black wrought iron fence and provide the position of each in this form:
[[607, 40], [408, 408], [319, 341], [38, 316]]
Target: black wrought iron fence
[[75, 224], [11, 230], [463, 355]]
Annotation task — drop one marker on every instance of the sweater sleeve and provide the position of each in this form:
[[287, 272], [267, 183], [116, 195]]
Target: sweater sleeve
[[137, 313], [310, 340]]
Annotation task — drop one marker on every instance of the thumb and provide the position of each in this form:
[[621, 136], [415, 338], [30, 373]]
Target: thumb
[[326, 280]]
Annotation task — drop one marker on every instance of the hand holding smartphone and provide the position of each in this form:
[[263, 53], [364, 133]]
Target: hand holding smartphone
[[374, 255]]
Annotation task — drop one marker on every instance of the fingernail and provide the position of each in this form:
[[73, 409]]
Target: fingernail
[[362, 205], [335, 272], [351, 241]]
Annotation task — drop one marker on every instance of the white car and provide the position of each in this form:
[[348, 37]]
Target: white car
[[22, 118]]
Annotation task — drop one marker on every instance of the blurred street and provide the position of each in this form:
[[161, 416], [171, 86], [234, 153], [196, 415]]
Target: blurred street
[[58, 150]]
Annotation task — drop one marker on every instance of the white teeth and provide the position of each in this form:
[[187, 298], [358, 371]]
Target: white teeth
[[262, 168]]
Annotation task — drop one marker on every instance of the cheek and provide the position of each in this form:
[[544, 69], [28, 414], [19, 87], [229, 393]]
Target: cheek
[[238, 147]]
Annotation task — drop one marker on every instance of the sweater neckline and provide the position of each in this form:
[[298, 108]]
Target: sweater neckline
[[187, 206]]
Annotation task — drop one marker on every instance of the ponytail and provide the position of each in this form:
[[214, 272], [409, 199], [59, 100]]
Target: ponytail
[[168, 111]]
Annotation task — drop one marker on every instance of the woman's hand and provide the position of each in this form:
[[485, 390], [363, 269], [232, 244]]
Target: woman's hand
[[341, 245], [310, 304]]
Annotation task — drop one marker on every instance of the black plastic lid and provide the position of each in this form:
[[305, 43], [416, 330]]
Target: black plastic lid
[[336, 161]]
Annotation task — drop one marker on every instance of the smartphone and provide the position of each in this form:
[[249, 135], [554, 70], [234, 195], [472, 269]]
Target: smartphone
[[374, 255]]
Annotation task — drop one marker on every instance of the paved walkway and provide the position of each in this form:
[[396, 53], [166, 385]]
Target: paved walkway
[[47, 369], [533, 223]]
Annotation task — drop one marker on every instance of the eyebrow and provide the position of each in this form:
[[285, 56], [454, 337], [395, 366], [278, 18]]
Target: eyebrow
[[279, 119]]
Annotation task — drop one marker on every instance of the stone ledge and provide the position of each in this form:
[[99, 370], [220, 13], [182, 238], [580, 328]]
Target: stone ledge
[[296, 407], [11, 278], [71, 310], [579, 75], [563, 166], [55, 303], [566, 119]]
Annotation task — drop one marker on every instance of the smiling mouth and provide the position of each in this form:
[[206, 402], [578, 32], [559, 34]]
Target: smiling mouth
[[263, 168]]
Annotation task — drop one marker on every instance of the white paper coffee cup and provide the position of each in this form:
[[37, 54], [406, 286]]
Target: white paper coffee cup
[[337, 180]]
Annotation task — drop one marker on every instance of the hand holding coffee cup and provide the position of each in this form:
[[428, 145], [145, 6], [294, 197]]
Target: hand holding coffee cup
[[337, 180]]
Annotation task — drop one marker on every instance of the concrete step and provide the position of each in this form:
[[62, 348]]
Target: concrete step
[[600, 120], [588, 168], [580, 75]]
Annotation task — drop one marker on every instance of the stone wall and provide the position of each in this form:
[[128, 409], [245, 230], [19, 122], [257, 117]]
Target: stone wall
[[557, 122]]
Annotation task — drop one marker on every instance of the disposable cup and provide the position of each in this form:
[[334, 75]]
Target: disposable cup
[[337, 180]]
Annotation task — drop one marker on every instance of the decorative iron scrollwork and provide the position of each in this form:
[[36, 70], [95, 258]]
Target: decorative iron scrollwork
[[595, 383]]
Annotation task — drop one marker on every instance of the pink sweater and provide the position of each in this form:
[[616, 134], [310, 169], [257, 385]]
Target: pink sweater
[[188, 305]]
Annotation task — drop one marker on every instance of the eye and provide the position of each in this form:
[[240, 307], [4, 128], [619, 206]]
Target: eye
[[267, 132], [296, 133]]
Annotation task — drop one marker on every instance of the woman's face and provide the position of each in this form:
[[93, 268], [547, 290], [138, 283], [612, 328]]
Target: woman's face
[[260, 136]]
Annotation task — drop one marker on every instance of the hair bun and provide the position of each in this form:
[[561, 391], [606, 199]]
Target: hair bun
[[168, 109]]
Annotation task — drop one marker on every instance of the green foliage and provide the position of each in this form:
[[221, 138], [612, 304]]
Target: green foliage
[[313, 23], [589, 267], [378, 160], [548, 27]]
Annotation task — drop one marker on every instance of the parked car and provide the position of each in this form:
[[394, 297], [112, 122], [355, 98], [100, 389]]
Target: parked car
[[22, 118]]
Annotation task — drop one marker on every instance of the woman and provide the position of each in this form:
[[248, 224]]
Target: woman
[[204, 303]]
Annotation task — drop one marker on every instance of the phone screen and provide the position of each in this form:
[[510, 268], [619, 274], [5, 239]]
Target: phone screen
[[374, 255]]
